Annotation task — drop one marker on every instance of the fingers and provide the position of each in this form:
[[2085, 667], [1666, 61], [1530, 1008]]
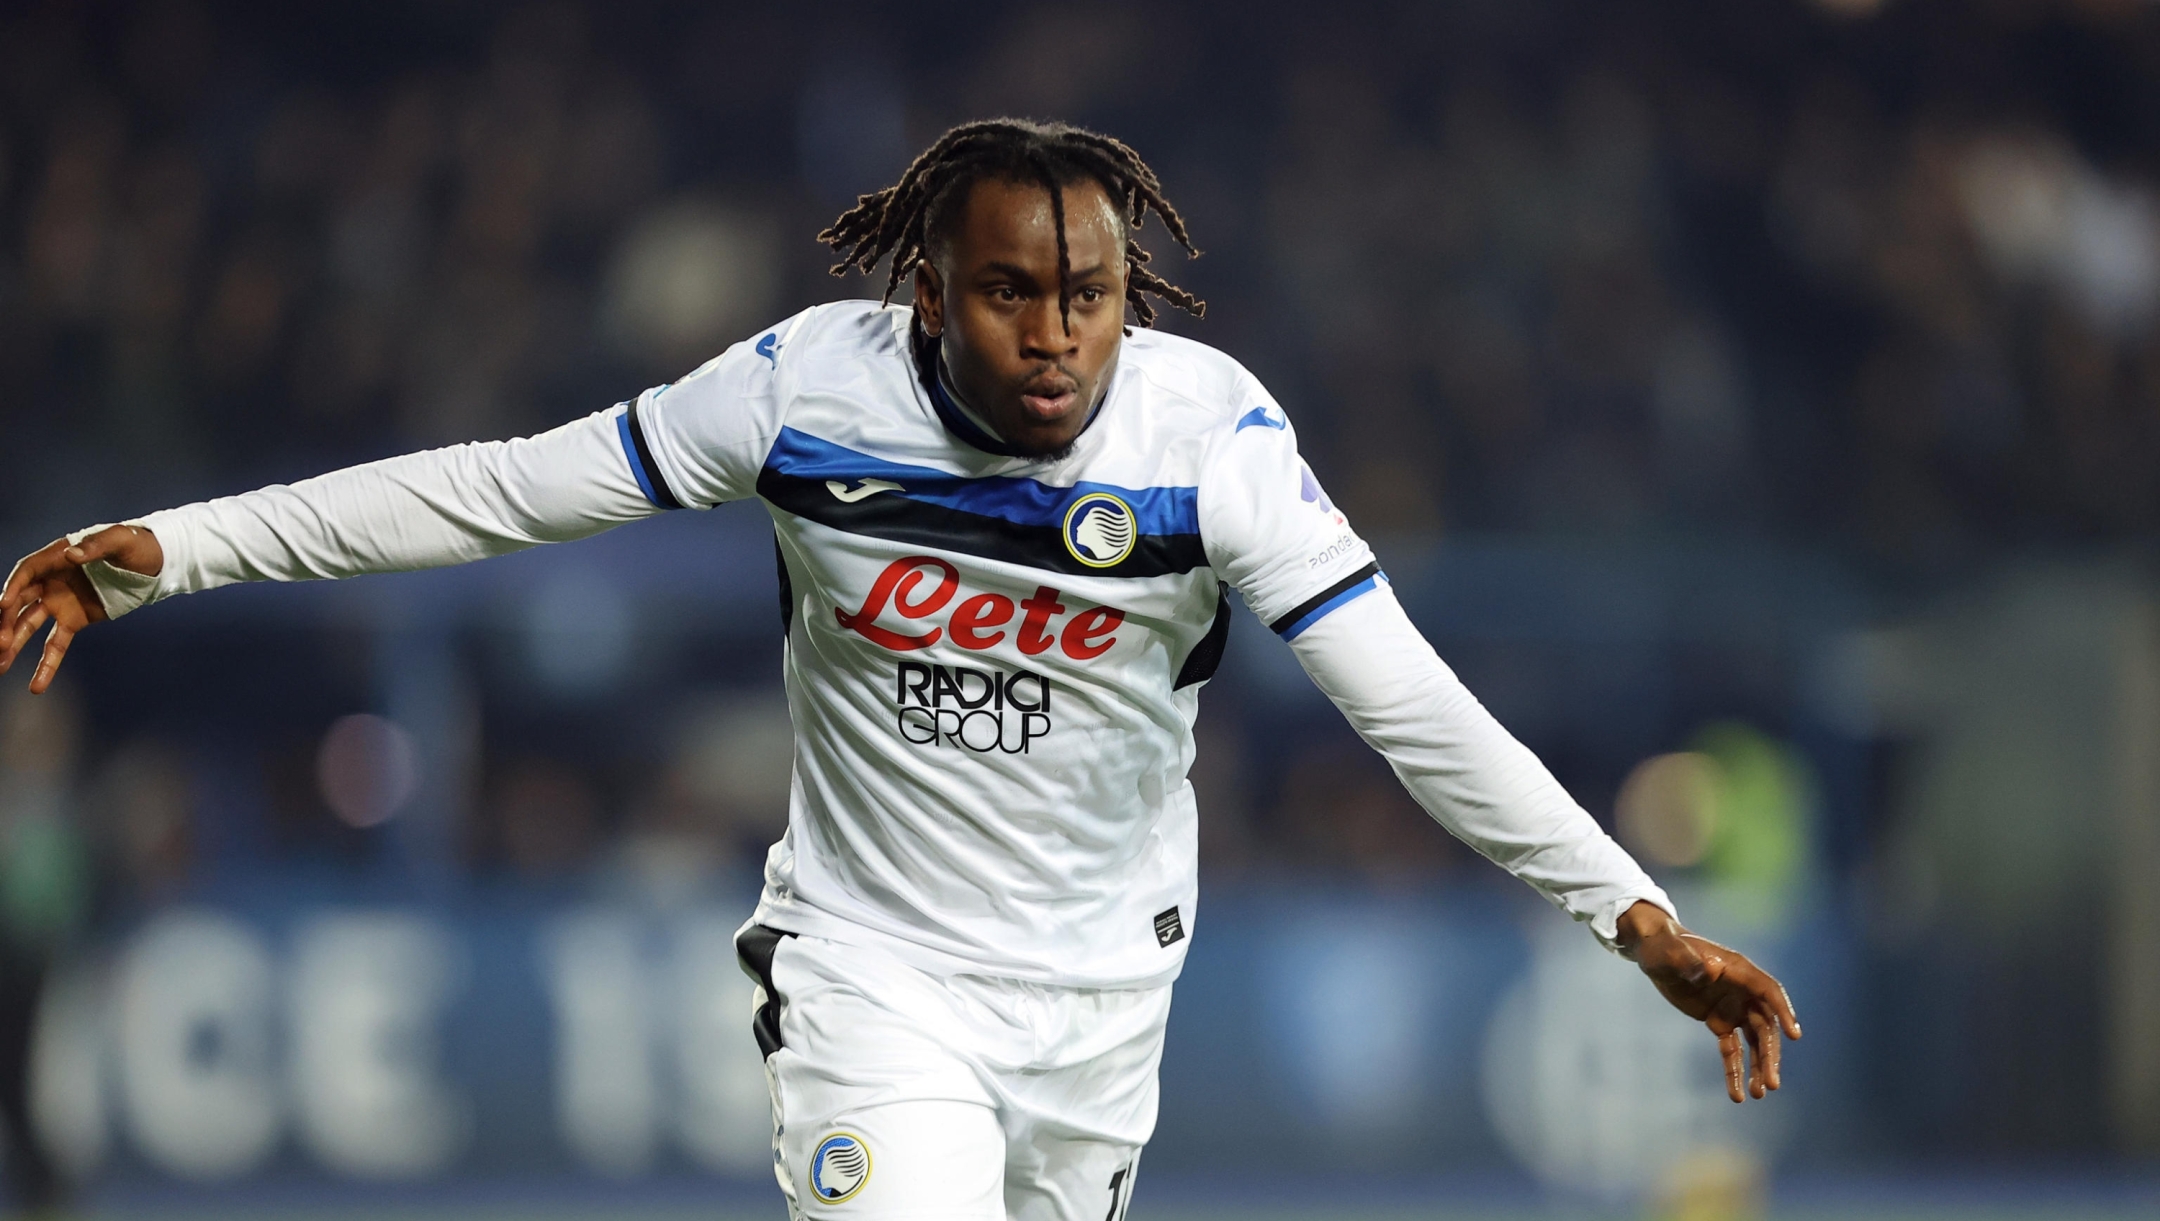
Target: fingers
[[1728, 1046], [24, 580], [1773, 1050], [1746, 1003], [56, 647], [46, 587], [1767, 994], [25, 626], [1780, 1005], [1741, 1003], [14, 595], [1762, 1034]]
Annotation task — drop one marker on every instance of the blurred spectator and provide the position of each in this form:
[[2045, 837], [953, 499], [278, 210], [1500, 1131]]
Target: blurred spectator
[[45, 896], [671, 850], [1737, 806], [1342, 810], [689, 279], [1660, 277], [541, 821], [1222, 788], [1880, 282], [145, 802], [1507, 304], [719, 803], [735, 756]]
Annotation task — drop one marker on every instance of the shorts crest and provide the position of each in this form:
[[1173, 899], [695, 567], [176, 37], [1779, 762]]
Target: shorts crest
[[839, 1168]]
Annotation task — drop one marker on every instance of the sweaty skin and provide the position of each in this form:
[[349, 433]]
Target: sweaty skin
[[989, 295], [1718, 987]]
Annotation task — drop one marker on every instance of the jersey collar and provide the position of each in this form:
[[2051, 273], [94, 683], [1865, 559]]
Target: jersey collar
[[960, 422]]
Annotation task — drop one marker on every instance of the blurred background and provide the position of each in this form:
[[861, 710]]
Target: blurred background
[[1758, 403]]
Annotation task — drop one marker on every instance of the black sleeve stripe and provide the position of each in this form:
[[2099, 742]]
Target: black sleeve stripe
[[1318, 600], [657, 482]]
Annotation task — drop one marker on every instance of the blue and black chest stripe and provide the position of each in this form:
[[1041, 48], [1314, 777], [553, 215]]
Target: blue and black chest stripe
[[1089, 529]]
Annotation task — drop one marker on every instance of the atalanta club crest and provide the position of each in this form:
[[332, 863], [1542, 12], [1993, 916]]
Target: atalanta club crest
[[1100, 530], [839, 1168]]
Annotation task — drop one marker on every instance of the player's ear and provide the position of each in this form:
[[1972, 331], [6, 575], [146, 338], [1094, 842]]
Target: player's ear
[[929, 299]]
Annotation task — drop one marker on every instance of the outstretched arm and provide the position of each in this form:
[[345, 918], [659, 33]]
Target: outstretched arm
[[1489, 790], [1463, 766], [422, 510], [697, 442], [1271, 531]]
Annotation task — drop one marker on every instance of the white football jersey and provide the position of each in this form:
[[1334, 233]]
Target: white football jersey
[[994, 662]]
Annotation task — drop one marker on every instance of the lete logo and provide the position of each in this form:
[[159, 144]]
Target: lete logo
[[978, 622]]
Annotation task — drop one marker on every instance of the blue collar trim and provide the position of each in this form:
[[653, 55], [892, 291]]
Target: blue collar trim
[[957, 422]]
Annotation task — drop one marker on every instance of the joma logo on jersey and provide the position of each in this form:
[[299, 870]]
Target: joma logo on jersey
[[978, 622], [978, 710]]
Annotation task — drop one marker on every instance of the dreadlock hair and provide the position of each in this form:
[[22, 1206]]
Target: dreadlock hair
[[907, 218]]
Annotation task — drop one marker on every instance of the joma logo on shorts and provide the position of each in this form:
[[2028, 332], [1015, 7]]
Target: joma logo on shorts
[[977, 710], [978, 622]]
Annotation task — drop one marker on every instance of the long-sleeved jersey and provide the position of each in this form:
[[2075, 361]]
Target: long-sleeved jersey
[[993, 661]]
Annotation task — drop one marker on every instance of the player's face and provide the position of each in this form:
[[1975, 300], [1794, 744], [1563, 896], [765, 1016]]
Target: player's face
[[992, 299]]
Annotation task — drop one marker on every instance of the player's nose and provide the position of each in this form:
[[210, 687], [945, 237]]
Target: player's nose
[[1045, 333]]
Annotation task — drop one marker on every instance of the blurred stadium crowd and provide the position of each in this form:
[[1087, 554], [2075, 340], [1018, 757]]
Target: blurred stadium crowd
[[1877, 283], [1880, 284], [1872, 283]]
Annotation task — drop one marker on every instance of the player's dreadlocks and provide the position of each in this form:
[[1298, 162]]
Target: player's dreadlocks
[[905, 219]]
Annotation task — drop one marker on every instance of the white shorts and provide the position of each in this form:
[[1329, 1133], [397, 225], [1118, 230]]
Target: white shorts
[[897, 1093]]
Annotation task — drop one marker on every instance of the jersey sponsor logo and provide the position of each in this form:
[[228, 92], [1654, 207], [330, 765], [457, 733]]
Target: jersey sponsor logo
[[967, 709], [978, 622], [1100, 530], [1345, 543], [839, 1168], [869, 487]]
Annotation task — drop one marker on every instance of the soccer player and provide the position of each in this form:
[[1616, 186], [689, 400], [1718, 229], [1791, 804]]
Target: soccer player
[[1007, 528]]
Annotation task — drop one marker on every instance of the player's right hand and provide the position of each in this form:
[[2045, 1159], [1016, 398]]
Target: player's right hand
[[49, 586]]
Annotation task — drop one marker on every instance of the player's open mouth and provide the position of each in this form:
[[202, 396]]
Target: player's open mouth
[[1048, 406]]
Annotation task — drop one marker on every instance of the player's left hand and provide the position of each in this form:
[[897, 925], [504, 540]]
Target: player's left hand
[[1718, 987]]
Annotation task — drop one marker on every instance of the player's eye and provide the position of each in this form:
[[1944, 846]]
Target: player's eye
[[1004, 293], [1092, 294]]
